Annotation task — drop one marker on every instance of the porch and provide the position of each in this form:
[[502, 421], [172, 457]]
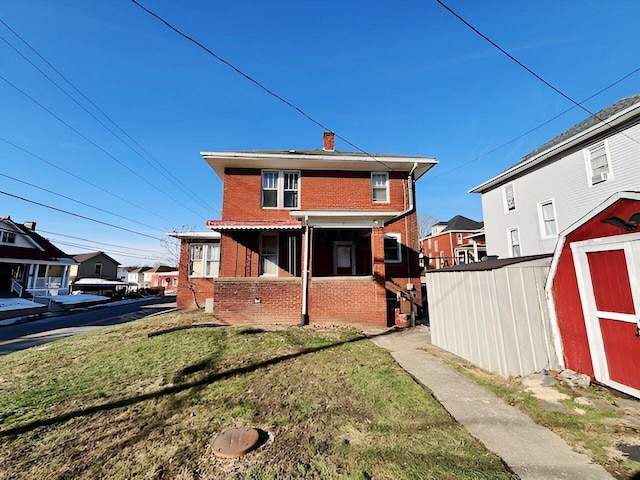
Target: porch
[[24, 278]]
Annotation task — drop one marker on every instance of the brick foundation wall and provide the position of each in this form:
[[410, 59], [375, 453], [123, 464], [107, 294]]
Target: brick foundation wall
[[203, 288], [280, 300], [352, 301]]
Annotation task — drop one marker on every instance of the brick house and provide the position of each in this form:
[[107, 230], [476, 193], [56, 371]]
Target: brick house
[[313, 236], [456, 242]]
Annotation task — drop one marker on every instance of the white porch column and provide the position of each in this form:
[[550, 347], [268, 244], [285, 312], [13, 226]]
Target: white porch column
[[31, 276]]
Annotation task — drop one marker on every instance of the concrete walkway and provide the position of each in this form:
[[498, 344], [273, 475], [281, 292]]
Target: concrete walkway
[[530, 450]]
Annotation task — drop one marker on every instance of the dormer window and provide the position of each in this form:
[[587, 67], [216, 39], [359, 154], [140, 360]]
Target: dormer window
[[8, 237], [280, 189]]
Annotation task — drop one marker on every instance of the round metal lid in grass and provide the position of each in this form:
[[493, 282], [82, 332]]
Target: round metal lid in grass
[[235, 442]]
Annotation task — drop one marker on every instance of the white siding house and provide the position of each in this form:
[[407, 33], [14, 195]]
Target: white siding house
[[526, 206]]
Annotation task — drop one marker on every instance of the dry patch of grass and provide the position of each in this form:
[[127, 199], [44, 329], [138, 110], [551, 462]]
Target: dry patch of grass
[[119, 404], [588, 419]]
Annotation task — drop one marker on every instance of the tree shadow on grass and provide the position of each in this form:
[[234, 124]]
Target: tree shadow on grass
[[200, 383]]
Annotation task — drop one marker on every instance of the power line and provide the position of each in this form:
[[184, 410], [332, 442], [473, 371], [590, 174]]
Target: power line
[[78, 215], [533, 129], [99, 243], [175, 180], [114, 252], [78, 201], [84, 180], [555, 89], [256, 82], [95, 144]]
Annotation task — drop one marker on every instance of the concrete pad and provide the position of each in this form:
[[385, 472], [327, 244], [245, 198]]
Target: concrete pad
[[530, 450]]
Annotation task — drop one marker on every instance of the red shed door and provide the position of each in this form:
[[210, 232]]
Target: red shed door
[[608, 277]]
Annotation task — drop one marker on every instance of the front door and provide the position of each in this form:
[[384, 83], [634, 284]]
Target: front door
[[344, 258], [608, 272]]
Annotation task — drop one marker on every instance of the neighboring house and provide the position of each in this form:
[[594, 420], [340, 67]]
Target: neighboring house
[[528, 205], [167, 280], [96, 272], [313, 236], [149, 275], [199, 266], [594, 294], [30, 265], [456, 242], [94, 265], [135, 277]]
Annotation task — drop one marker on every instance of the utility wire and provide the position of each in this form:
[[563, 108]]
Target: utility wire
[[84, 180], [256, 82], [176, 182], [146, 250], [78, 215], [95, 144], [115, 252], [533, 129], [555, 89], [78, 201]]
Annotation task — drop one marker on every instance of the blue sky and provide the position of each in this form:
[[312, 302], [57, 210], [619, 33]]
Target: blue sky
[[401, 77]]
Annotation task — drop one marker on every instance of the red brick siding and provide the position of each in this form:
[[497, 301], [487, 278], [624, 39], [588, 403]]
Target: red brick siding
[[280, 300], [318, 190], [187, 286], [347, 301]]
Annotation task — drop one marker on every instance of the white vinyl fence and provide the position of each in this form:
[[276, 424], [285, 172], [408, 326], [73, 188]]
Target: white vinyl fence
[[497, 319]]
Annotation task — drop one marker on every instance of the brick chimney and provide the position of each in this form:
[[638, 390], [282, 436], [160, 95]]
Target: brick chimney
[[328, 142], [30, 226]]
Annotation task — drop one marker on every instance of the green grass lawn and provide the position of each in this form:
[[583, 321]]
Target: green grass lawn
[[119, 404]]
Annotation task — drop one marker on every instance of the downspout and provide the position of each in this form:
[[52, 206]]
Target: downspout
[[410, 195], [304, 317]]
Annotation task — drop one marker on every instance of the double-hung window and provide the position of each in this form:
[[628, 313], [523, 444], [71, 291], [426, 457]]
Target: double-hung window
[[269, 254], [380, 187], [547, 215], [97, 269], [509, 197], [8, 237], [392, 248], [204, 259], [598, 163], [514, 242], [280, 189]]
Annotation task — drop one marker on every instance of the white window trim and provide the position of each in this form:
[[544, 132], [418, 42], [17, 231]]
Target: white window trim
[[260, 254], [280, 189], [543, 234], [504, 198], [587, 163], [459, 239], [509, 230], [202, 261], [386, 174], [398, 238]]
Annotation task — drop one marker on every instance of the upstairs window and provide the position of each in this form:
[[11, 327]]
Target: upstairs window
[[280, 189], [97, 269], [547, 215], [392, 248], [509, 197], [380, 187], [204, 260], [8, 237], [459, 238], [598, 163]]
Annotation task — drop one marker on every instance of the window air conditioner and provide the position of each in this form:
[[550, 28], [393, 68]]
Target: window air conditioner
[[599, 177]]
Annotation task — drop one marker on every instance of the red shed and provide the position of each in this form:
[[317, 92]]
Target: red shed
[[594, 294]]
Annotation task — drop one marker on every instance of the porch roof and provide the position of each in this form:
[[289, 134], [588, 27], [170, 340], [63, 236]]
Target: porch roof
[[226, 225], [345, 218]]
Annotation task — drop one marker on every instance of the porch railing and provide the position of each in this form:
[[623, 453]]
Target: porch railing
[[16, 287]]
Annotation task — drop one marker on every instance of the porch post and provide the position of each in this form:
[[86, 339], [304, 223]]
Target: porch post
[[377, 252], [304, 320], [33, 269], [65, 278], [475, 251]]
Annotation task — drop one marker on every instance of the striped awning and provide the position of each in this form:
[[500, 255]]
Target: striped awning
[[227, 225]]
